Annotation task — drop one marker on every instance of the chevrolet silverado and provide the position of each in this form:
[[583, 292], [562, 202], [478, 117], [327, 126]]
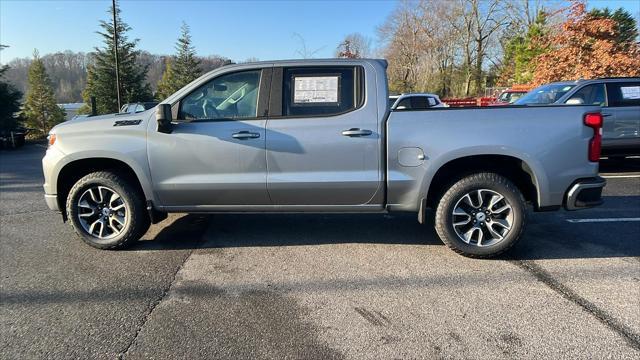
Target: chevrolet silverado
[[318, 136]]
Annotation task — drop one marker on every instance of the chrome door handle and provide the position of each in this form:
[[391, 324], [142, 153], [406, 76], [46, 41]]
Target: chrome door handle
[[243, 135], [606, 114], [354, 132]]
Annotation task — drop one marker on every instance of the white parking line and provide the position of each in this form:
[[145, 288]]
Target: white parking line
[[620, 176], [603, 220]]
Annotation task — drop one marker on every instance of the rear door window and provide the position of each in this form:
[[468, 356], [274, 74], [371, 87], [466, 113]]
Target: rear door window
[[321, 91], [591, 95], [624, 93]]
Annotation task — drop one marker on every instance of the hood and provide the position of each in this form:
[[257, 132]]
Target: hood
[[104, 122]]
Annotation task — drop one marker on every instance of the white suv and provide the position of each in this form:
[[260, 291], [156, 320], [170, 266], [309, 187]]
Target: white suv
[[418, 101]]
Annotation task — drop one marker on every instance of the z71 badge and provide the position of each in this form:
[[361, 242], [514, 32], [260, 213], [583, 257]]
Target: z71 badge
[[127, 122]]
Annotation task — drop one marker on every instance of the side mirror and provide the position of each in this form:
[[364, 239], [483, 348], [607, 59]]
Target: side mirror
[[163, 117], [575, 101]]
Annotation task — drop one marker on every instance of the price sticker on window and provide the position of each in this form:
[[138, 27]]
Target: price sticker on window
[[315, 89], [630, 92]]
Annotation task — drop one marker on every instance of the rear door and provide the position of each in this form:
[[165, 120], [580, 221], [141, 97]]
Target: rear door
[[323, 142], [624, 110]]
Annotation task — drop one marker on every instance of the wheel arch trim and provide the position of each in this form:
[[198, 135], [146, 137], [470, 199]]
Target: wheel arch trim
[[531, 166]]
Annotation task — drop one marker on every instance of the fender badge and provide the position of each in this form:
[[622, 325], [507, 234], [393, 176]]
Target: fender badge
[[127, 122]]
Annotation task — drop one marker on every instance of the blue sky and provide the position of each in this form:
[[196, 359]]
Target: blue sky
[[235, 29]]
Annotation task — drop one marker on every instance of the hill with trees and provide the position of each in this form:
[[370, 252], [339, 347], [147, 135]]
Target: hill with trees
[[68, 71]]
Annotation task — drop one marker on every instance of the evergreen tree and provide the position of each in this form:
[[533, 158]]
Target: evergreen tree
[[626, 25], [101, 74], [520, 51], [40, 108], [532, 46], [9, 100], [187, 66], [184, 69], [166, 85]]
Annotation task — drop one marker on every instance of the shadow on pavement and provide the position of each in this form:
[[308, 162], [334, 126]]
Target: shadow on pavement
[[545, 237], [238, 230]]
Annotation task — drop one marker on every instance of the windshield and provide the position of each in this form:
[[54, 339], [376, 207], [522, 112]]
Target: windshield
[[510, 97], [546, 94]]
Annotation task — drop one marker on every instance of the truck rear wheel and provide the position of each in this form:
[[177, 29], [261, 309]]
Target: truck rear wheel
[[482, 215], [107, 211]]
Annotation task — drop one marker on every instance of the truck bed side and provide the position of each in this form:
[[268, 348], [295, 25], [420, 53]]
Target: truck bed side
[[552, 141]]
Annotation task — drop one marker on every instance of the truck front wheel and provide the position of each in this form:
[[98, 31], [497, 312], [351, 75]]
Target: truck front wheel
[[107, 211], [481, 215]]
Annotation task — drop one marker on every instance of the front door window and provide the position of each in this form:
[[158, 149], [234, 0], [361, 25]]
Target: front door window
[[231, 96]]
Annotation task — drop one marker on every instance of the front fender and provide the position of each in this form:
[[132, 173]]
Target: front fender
[[98, 138], [136, 161]]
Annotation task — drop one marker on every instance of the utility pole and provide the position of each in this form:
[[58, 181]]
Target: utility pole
[[115, 50]]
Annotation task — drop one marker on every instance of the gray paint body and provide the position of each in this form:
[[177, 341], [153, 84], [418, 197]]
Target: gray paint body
[[306, 164]]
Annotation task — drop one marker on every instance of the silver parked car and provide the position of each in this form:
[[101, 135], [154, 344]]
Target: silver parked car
[[620, 102], [318, 136], [132, 108]]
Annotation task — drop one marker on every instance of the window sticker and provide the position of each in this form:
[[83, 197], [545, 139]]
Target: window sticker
[[630, 92], [315, 89]]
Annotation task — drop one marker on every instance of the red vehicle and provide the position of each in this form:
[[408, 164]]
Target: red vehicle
[[508, 96]]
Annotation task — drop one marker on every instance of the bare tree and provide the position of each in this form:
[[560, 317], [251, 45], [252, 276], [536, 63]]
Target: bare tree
[[479, 27], [302, 50], [354, 45], [523, 13], [441, 43], [452, 47], [404, 46]]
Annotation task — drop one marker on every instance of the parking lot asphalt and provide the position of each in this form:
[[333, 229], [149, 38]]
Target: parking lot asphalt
[[317, 286]]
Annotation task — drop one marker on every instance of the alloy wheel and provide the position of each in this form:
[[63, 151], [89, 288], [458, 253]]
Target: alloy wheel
[[482, 217], [102, 212]]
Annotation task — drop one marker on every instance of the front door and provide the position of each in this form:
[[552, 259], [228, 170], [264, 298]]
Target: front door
[[215, 155], [323, 141]]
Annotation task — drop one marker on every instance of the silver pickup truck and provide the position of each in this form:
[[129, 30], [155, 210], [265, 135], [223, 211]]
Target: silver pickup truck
[[318, 136]]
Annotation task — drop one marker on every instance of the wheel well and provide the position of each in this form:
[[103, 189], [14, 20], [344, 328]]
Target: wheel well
[[75, 170], [510, 167]]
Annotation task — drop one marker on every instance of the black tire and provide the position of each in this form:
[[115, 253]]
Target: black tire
[[137, 222], [444, 218]]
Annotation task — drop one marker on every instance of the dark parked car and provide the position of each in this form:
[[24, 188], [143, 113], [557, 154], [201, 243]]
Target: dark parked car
[[620, 101], [12, 139]]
